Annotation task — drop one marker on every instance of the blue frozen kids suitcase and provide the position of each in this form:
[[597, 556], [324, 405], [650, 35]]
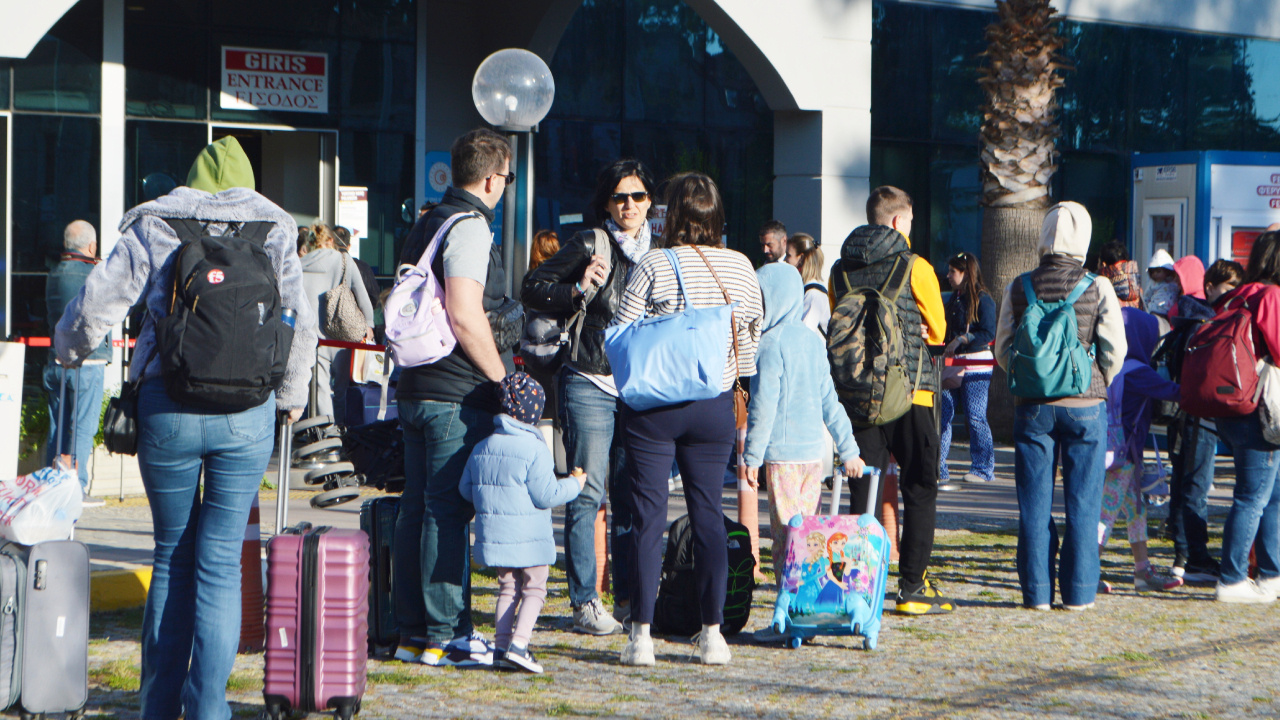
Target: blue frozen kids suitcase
[[833, 579]]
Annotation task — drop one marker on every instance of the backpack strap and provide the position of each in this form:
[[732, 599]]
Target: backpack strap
[[186, 228], [816, 286], [255, 232], [1028, 290], [433, 247], [897, 280], [1082, 285]]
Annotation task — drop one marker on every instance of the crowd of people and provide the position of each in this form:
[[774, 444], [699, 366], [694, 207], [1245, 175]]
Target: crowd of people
[[473, 451]]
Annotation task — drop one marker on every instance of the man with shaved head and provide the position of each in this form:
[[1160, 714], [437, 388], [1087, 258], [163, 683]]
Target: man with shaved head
[[79, 255]]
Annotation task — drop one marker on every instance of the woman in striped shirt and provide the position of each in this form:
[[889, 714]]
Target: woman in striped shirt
[[698, 435]]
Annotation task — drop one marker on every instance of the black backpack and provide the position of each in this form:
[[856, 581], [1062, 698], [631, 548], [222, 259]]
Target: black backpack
[[677, 611], [223, 345]]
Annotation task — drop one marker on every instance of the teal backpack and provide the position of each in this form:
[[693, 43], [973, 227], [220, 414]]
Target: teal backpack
[[1047, 360]]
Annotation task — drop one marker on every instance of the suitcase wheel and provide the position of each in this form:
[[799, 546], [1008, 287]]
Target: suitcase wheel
[[335, 497], [318, 421], [312, 451], [325, 473], [795, 642]]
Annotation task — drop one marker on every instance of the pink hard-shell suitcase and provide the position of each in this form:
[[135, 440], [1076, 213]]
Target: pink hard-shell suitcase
[[317, 617]]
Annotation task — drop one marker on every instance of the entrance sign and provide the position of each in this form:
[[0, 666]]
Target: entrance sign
[[259, 79]]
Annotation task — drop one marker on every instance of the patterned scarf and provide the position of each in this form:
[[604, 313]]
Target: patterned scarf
[[633, 247]]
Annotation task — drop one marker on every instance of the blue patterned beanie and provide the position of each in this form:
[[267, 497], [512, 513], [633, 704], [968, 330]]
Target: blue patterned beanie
[[523, 398]]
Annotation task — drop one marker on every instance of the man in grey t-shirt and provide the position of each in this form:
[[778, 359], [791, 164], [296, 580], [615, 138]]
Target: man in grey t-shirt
[[445, 409]]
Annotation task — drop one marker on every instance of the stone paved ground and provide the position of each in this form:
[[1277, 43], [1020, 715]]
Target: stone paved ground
[[1152, 656]]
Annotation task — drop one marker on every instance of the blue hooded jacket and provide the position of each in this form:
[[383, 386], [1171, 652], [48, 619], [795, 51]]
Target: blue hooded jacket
[[1138, 385], [791, 393], [510, 478]]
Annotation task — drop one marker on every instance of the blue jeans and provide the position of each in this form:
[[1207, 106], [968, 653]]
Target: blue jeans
[[84, 398], [1255, 504], [1079, 436], [191, 626], [972, 392], [432, 561], [1191, 474], [593, 442]]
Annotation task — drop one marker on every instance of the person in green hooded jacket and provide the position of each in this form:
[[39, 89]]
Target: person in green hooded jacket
[[191, 626]]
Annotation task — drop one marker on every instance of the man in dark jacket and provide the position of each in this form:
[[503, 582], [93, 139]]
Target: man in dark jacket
[[84, 391], [868, 259], [1072, 428], [446, 408]]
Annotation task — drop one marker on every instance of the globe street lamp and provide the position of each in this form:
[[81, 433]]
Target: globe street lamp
[[513, 90]]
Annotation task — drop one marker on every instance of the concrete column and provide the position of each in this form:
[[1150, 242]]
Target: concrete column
[[111, 171]]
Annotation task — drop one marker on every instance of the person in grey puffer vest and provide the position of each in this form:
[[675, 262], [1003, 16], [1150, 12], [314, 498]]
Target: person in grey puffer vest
[[84, 398], [1073, 429], [868, 258], [201, 468]]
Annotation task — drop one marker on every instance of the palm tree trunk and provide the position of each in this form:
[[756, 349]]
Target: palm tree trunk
[[1010, 247]]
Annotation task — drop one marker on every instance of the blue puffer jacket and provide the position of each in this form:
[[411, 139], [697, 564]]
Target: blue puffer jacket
[[511, 480], [791, 393]]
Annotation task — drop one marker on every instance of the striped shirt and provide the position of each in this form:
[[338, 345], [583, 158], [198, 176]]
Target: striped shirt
[[653, 290]]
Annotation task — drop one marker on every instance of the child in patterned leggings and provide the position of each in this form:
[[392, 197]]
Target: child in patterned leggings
[[792, 397], [1129, 405]]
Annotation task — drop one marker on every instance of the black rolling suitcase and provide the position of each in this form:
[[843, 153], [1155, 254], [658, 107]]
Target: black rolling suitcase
[[378, 520]]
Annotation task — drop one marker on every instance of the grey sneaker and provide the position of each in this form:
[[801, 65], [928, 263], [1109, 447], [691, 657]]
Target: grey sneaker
[[1154, 580], [712, 649], [638, 651], [593, 619], [974, 478], [92, 502]]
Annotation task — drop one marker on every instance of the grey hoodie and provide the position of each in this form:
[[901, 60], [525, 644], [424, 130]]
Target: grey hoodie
[[321, 271], [140, 268]]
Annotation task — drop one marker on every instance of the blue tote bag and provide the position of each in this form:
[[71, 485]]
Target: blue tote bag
[[669, 359]]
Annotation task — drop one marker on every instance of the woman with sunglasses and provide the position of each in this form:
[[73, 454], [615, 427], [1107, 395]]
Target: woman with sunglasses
[[971, 326], [587, 273]]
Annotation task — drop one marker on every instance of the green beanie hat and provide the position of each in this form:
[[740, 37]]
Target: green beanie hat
[[220, 166]]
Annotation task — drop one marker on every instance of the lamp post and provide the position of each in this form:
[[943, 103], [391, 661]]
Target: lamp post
[[513, 90]]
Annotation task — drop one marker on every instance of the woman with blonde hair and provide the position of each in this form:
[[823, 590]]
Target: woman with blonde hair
[[324, 267], [805, 253]]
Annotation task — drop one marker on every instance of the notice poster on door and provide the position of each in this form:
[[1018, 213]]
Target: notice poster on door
[[260, 79], [353, 214]]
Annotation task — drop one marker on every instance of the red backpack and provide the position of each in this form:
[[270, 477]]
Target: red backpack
[[1220, 367]]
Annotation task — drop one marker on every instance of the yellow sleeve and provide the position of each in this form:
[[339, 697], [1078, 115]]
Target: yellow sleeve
[[924, 286]]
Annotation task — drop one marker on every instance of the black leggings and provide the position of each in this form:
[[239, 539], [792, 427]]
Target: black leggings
[[699, 436]]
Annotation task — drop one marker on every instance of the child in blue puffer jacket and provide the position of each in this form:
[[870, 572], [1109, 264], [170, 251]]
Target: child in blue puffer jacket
[[510, 478], [792, 396]]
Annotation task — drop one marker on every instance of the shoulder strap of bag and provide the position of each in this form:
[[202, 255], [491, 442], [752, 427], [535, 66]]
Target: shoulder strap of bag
[[1029, 291], [433, 247], [675, 265], [342, 280], [897, 280], [578, 320], [187, 229], [255, 232], [733, 316]]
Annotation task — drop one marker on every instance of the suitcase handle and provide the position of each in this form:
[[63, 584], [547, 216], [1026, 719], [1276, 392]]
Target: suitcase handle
[[837, 479], [62, 410], [282, 478]]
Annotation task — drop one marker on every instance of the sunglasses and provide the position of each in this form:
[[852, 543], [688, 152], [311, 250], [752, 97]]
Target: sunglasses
[[637, 196], [509, 177]]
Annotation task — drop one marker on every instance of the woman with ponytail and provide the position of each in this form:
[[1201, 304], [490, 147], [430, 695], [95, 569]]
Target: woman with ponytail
[[971, 327]]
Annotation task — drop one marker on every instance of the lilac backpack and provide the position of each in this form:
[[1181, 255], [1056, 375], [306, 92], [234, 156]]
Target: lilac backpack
[[418, 330]]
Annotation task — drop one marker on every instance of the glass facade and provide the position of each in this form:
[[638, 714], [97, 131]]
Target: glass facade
[[648, 79], [63, 73], [1132, 90]]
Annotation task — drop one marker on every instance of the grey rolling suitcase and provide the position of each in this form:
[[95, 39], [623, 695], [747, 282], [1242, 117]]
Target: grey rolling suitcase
[[44, 624], [44, 628]]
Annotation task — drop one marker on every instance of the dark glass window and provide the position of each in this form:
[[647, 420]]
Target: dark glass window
[[159, 156], [378, 87], [673, 96], [379, 19], [900, 60], [167, 12], [64, 71], [384, 163], [59, 170], [4, 85], [1094, 105], [298, 19], [955, 97], [167, 73]]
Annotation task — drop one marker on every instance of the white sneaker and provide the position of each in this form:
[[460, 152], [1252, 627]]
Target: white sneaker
[[1079, 608], [638, 651], [1245, 591], [593, 619], [712, 649], [1271, 585]]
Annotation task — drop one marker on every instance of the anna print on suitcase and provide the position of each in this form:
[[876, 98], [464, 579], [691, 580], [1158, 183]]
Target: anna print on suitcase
[[834, 575]]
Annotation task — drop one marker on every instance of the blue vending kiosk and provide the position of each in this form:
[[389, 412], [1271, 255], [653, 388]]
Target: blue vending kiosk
[[1209, 203]]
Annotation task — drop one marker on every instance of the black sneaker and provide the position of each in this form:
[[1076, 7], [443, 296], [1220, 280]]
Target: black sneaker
[[1201, 573], [520, 658], [923, 599]]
